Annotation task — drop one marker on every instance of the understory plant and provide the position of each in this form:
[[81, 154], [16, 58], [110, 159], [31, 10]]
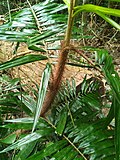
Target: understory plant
[[75, 128]]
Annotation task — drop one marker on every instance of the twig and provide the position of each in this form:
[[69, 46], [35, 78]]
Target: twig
[[33, 12], [68, 140], [85, 57]]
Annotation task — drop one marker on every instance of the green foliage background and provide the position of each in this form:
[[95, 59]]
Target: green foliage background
[[76, 129]]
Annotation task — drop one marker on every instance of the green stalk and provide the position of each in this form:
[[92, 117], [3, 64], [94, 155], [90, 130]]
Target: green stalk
[[70, 23], [8, 4]]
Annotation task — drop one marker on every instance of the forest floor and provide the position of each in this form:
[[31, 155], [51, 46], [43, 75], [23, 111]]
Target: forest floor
[[30, 74]]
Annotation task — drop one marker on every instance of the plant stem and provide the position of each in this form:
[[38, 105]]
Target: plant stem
[[58, 74], [70, 23], [8, 4]]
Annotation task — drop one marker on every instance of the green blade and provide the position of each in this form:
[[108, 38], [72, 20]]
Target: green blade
[[62, 122], [21, 60], [27, 139], [42, 92]]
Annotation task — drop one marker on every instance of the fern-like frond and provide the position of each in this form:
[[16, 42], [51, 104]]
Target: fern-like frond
[[85, 94], [104, 61], [36, 25], [75, 129]]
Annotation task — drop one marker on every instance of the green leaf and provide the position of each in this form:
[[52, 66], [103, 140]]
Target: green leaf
[[21, 60], [40, 37], [29, 102], [13, 36], [27, 139], [49, 150], [25, 151], [101, 11], [16, 126], [113, 80], [62, 121], [35, 48], [110, 115], [12, 84], [114, 0], [9, 102], [95, 8], [9, 139], [92, 100], [117, 128], [42, 92], [109, 20], [34, 29], [8, 108], [80, 158], [100, 56], [63, 153], [20, 120]]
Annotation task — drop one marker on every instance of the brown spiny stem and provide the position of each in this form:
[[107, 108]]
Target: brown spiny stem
[[55, 81], [80, 52], [57, 76]]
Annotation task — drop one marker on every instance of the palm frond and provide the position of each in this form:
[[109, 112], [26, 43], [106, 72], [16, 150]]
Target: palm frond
[[105, 62], [36, 25], [76, 128], [85, 93]]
